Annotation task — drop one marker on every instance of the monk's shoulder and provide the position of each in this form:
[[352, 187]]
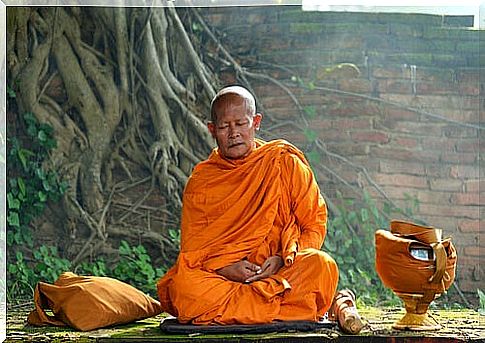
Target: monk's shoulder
[[199, 176], [291, 156]]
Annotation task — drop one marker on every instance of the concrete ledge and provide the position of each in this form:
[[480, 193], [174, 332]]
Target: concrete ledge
[[458, 326]]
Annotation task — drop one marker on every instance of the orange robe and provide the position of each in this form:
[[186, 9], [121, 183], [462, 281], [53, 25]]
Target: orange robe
[[265, 204]]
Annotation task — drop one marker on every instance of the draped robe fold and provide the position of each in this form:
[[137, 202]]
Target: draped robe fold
[[265, 204]]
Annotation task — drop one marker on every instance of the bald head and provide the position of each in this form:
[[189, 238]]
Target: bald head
[[232, 94], [234, 122]]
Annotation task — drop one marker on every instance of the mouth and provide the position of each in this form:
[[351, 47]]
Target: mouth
[[235, 145]]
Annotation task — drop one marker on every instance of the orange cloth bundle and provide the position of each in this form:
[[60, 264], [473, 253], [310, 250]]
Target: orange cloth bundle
[[90, 302], [265, 204]]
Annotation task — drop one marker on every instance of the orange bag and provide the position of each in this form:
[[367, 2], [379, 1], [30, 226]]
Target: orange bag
[[90, 302], [404, 273]]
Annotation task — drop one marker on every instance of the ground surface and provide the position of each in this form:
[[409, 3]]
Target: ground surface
[[458, 326]]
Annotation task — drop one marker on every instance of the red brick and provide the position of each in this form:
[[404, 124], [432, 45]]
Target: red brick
[[451, 211], [280, 101], [319, 123], [465, 116], [280, 112], [468, 145], [370, 136], [388, 73], [346, 124], [450, 185], [438, 143], [465, 199], [438, 198], [395, 86], [403, 180], [437, 170], [333, 136], [464, 172], [474, 185], [418, 128], [466, 89], [447, 224], [355, 85], [408, 143], [401, 114], [468, 76], [404, 155], [390, 166], [341, 111], [469, 226], [468, 286], [349, 149], [459, 131], [435, 88], [458, 158], [468, 261], [473, 250]]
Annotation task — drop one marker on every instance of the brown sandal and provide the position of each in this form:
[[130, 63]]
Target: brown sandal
[[344, 311]]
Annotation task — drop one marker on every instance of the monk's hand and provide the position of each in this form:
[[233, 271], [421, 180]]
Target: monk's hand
[[270, 267], [239, 271]]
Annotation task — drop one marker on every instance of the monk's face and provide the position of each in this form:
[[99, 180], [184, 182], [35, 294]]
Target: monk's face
[[235, 126]]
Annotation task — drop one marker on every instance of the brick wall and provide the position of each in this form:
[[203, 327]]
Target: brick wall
[[404, 61]]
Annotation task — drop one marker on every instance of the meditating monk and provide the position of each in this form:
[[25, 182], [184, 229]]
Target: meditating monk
[[253, 223]]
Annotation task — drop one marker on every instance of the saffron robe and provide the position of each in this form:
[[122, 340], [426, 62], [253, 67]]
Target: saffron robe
[[265, 204]]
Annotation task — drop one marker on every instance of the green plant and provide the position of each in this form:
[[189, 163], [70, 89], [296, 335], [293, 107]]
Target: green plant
[[30, 186], [48, 264], [23, 275], [135, 268], [350, 240], [96, 268]]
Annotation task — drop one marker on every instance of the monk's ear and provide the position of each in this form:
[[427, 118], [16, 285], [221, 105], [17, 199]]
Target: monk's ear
[[257, 120], [212, 129]]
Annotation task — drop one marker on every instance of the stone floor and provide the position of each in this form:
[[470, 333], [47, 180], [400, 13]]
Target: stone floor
[[458, 326]]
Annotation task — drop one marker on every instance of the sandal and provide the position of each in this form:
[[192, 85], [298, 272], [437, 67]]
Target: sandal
[[344, 312]]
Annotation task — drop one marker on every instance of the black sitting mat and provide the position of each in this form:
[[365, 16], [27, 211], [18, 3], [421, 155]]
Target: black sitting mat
[[171, 325]]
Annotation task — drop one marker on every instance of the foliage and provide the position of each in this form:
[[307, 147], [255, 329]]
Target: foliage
[[135, 268], [30, 185], [23, 275], [350, 240]]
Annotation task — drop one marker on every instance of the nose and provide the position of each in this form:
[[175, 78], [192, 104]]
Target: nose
[[233, 130]]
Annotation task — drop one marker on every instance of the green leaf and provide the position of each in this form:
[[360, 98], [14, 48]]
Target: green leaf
[[21, 184], [313, 157], [11, 92], [42, 196], [41, 135], [310, 135], [310, 111], [19, 256], [124, 248], [40, 173], [46, 185], [13, 202], [13, 219], [364, 214]]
